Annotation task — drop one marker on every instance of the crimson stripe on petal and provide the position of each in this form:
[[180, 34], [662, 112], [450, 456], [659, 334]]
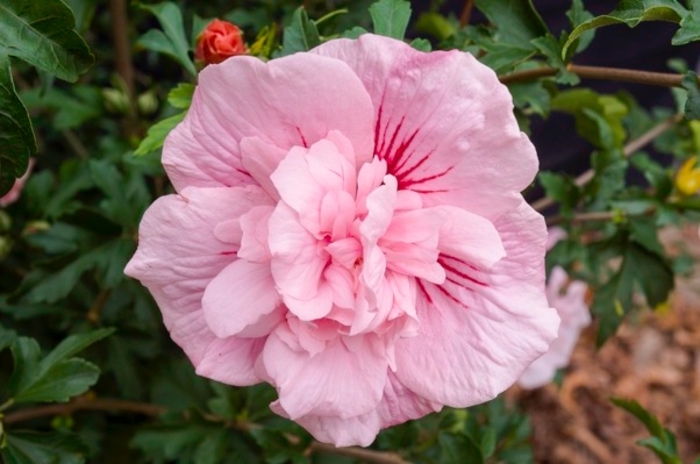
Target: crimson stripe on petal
[[459, 273]]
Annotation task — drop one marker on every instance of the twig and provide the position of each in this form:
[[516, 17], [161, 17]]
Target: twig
[[466, 13], [84, 404], [598, 72], [75, 143], [152, 410], [122, 45], [93, 314], [631, 147]]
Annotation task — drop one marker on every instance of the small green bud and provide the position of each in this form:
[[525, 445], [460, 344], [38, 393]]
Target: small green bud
[[116, 101], [147, 103], [5, 221]]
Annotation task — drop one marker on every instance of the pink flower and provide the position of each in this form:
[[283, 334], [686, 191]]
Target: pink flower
[[569, 299], [348, 227], [13, 195]]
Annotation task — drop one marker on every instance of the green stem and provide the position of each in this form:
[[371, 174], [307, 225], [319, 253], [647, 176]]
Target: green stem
[[7, 404], [330, 15]]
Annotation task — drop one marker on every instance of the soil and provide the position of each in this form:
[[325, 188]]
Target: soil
[[654, 358]]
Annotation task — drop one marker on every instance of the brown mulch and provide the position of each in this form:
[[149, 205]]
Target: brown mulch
[[654, 358]]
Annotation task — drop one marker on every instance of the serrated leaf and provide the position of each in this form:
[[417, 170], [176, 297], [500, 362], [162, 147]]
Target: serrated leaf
[[692, 103], [640, 269], [43, 448], [300, 35], [58, 376], [16, 131], [181, 96], [42, 34], [62, 381], [74, 344], [354, 33], [155, 137], [171, 40], [390, 17], [422, 45], [517, 21], [550, 47], [578, 15], [631, 13]]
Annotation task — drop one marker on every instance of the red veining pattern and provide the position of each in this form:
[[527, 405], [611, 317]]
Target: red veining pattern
[[459, 273], [425, 292], [444, 291], [397, 159], [303, 140]]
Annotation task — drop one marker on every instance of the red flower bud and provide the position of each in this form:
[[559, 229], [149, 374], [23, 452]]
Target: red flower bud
[[218, 41]]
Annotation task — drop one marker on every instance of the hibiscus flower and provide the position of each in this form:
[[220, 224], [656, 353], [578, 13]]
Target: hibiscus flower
[[348, 226], [568, 297]]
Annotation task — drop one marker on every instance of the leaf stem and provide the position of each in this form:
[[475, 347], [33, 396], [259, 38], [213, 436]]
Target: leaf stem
[[631, 147], [86, 403], [598, 72], [330, 15]]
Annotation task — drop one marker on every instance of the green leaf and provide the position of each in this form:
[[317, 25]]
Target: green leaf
[[73, 109], [421, 45], [301, 34], [58, 376], [578, 15], [690, 26], [640, 268], [631, 13], [74, 344], [517, 21], [531, 96], [354, 33], [42, 34], [181, 96], [157, 133], [6, 337], [62, 381], [458, 449], [43, 448], [663, 441], [561, 189], [16, 132], [550, 47], [692, 103], [171, 40], [390, 17]]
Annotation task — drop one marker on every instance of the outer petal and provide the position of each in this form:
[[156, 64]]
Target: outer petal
[[443, 122], [178, 255], [335, 382], [398, 405], [243, 97], [480, 330]]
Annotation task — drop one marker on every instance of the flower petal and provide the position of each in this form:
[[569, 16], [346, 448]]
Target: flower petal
[[242, 97], [470, 237], [477, 335], [239, 296], [335, 382], [179, 255], [443, 122]]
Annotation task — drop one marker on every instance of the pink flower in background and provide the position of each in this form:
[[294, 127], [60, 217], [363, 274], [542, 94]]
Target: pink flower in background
[[13, 195], [569, 299], [348, 227]]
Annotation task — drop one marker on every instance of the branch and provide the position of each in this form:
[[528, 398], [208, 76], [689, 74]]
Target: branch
[[631, 147], [466, 13], [85, 403], [597, 72]]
